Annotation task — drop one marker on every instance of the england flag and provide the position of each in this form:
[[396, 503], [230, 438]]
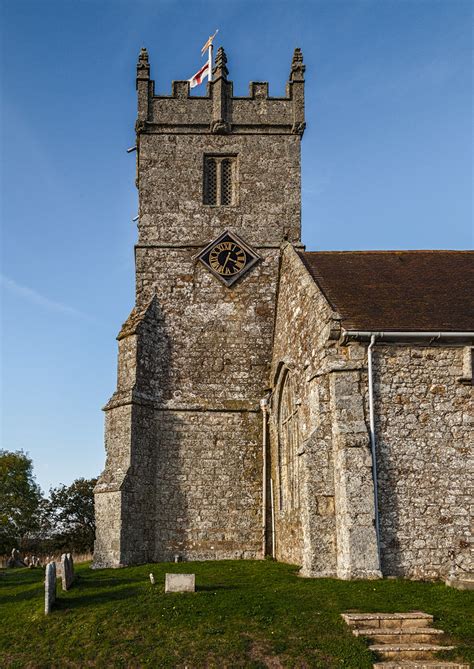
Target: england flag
[[199, 76]]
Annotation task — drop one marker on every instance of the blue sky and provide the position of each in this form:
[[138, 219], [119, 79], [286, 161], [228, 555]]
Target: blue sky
[[387, 164]]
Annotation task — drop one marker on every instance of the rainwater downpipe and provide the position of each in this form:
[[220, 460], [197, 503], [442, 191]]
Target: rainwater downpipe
[[263, 406], [272, 503], [372, 440]]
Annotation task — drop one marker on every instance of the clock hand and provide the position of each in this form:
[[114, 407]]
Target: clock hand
[[227, 259]]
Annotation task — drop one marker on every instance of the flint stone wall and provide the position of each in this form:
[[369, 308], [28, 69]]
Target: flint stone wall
[[424, 419]]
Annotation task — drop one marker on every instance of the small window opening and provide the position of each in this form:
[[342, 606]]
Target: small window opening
[[219, 179], [210, 181], [226, 182]]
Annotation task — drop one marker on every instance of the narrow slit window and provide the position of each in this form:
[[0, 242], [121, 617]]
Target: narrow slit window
[[219, 180], [210, 181], [226, 182]]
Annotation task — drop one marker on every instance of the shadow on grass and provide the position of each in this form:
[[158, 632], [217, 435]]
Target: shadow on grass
[[78, 601], [21, 596], [96, 580], [212, 588], [12, 578], [103, 584]]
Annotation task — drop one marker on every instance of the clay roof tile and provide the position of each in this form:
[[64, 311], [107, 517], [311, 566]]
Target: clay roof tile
[[397, 290]]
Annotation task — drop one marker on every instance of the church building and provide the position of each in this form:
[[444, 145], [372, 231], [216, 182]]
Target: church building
[[272, 401]]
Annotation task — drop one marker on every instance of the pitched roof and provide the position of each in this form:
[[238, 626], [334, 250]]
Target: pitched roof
[[397, 290]]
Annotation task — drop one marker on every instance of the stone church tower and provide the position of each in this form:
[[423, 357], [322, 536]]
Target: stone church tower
[[219, 192]]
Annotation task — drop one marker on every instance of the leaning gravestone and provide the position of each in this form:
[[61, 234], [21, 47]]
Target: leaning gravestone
[[49, 587], [67, 570], [180, 583]]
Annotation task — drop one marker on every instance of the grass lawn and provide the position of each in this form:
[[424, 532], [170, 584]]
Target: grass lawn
[[244, 614]]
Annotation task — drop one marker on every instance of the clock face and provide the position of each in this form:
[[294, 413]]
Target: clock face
[[227, 258]]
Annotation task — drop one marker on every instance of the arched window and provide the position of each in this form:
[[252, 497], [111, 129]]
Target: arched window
[[288, 438]]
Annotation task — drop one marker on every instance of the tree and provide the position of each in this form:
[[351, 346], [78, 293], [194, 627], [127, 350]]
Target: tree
[[71, 515], [20, 501]]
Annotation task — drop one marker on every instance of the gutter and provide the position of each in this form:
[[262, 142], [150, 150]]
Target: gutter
[[395, 335]]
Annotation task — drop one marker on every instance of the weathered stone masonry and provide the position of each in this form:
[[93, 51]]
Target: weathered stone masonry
[[425, 460], [185, 442], [332, 532], [183, 430], [423, 430]]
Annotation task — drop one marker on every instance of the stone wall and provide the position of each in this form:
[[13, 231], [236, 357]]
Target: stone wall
[[216, 341], [302, 345], [424, 455], [267, 204], [209, 485], [423, 411]]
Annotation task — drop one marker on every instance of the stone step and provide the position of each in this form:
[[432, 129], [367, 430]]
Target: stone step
[[400, 634], [421, 664], [391, 620], [408, 651], [465, 582]]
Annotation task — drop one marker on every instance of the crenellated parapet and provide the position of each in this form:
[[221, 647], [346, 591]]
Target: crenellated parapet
[[219, 111]]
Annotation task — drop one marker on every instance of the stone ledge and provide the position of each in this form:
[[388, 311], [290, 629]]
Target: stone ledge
[[408, 650], [461, 583], [331, 366], [421, 664], [354, 574], [414, 618], [224, 406]]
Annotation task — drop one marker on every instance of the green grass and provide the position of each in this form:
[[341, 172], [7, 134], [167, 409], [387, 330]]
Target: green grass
[[244, 614]]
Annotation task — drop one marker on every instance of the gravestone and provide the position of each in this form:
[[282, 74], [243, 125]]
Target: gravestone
[[180, 583], [49, 587], [67, 570], [152, 579], [15, 560]]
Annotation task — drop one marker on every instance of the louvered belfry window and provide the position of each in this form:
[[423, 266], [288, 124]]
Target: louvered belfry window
[[210, 181], [226, 181], [219, 180]]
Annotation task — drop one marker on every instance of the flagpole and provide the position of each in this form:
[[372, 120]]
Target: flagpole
[[209, 61]]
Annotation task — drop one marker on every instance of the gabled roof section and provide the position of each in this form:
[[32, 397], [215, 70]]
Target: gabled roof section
[[397, 290]]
